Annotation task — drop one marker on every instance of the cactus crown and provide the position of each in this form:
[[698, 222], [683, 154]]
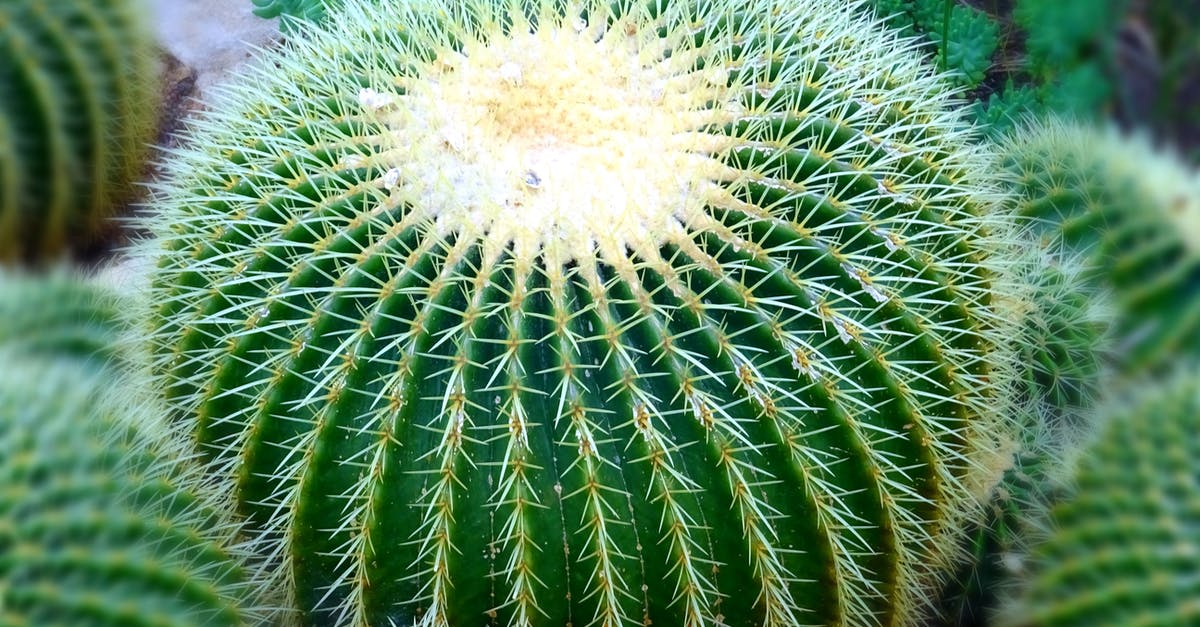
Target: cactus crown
[[574, 139], [525, 312]]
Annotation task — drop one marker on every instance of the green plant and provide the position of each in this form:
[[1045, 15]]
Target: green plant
[[1123, 550], [78, 108], [1135, 213], [310, 10], [961, 38], [104, 518], [1064, 349], [1068, 65], [58, 315], [591, 312]]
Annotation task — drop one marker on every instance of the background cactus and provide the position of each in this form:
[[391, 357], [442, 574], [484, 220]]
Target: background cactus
[[599, 313], [77, 110], [312, 10], [1124, 550], [58, 315], [1135, 212], [103, 521]]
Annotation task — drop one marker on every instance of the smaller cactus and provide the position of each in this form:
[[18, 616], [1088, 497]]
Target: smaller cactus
[[1135, 214], [311, 10], [963, 39], [77, 108], [1125, 549], [103, 519]]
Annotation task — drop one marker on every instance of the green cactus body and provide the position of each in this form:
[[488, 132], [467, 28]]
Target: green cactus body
[[1135, 214], [104, 518], [576, 313], [1124, 549], [77, 109]]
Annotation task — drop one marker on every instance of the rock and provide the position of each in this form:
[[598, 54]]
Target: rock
[[211, 37]]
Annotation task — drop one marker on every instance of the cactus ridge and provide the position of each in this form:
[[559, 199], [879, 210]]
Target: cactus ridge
[[1123, 549], [105, 516], [728, 353], [76, 112], [1134, 213]]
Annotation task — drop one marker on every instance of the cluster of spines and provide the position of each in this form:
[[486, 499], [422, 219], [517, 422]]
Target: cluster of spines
[[1122, 549], [381, 388], [105, 519], [77, 109], [1131, 212]]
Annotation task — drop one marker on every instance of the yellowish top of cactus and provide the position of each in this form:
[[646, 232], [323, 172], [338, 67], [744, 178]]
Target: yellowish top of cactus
[[569, 141]]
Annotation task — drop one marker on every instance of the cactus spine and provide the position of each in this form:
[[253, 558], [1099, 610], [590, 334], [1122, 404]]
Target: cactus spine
[[588, 312], [1124, 550], [103, 518], [77, 108]]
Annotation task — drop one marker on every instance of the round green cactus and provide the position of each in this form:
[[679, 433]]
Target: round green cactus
[[105, 519], [591, 313], [1135, 213], [77, 109], [1124, 550]]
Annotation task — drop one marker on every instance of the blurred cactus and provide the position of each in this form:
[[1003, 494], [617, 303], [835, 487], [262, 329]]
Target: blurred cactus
[[1065, 344], [545, 313], [1124, 549], [78, 107], [58, 315], [1135, 213], [104, 521]]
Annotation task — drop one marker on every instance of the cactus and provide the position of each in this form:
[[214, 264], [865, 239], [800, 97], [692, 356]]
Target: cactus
[[1124, 550], [1135, 212], [591, 313], [77, 108], [103, 518], [1065, 345], [1064, 354], [963, 39], [289, 10]]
